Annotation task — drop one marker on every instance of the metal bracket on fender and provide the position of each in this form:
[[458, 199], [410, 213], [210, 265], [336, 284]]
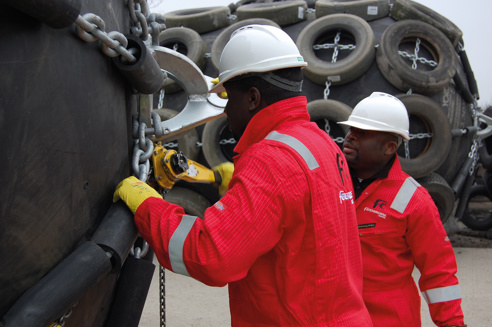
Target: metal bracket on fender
[[487, 131], [201, 106]]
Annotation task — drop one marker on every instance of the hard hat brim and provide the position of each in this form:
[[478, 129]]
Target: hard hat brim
[[367, 127]]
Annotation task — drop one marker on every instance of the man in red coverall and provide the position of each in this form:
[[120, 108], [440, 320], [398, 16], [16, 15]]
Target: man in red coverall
[[399, 224], [284, 236]]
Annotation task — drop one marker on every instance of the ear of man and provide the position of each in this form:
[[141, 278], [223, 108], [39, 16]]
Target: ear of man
[[391, 145], [255, 100]]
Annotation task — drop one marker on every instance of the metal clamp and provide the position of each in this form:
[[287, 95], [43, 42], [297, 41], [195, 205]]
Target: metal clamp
[[201, 106]]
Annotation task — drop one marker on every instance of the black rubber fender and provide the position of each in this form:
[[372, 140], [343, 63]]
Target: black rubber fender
[[202, 20], [355, 31], [224, 36], [365, 9], [406, 9], [283, 13], [327, 113], [441, 193], [187, 42], [187, 142], [56, 14], [426, 116], [192, 202], [402, 36], [214, 132]]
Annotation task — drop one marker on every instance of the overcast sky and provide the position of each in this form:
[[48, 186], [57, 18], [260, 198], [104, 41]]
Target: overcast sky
[[471, 16]]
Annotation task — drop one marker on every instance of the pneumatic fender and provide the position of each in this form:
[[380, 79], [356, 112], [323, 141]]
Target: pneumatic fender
[[326, 114], [224, 36], [187, 142], [351, 63], [406, 36], [441, 193], [426, 154], [217, 142], [192, 202], [406, 9], [185, 41], [283, 13], [202, 20], [365, 9]]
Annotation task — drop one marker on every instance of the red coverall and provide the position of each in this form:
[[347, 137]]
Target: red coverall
[[284, 237], [400, 227]]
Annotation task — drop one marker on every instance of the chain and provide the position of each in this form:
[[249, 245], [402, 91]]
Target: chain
[[91, 27], [162, 297], [415, 56], [335, 46], [327, 126], [474, 154], [339, 139], [413, 137], [407, 149], [328, 130], [326, 92], [145, 23], [60, 322]]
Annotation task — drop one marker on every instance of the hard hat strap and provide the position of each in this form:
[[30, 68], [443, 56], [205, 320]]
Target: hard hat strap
[[281, 82]]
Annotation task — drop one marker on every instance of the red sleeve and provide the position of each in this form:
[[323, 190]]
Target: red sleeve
[[435, 259], [245, 224]]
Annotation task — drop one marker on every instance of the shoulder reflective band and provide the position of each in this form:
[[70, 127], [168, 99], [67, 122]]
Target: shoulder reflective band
[[176, 244], [404, 195], [297, 146], [442, 294]]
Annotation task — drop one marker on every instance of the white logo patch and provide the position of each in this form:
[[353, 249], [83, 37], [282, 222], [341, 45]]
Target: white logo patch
[[380, 214], [346, 196]]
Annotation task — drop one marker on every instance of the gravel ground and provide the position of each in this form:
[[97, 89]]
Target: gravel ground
[[462, 236]]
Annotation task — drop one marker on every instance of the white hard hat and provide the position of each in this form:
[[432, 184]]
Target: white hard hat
[[257, 49], [380, 112]]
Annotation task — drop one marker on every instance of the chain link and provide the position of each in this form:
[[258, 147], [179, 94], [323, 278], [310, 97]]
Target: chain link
[[228, 141], [160, 104], [326, 92], [421, 136]]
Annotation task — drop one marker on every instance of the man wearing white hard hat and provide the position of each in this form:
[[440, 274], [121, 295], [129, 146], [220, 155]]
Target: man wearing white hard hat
[[399, 224], [284, 236]]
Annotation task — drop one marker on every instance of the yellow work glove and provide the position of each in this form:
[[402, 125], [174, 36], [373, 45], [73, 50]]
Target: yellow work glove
[[225, 171], [133, 192]]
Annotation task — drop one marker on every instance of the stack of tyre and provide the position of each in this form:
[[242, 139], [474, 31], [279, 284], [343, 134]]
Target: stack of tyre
[[353, 48]]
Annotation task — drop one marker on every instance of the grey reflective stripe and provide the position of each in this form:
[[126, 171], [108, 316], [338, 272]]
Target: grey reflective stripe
[[297, 146], [176, 244], [442, 294], [404, 195]]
